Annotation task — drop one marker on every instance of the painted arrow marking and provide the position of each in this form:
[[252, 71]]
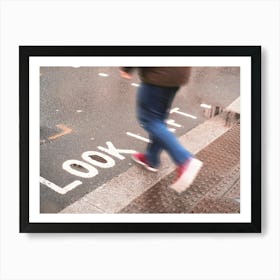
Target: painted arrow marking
[[65, 130]]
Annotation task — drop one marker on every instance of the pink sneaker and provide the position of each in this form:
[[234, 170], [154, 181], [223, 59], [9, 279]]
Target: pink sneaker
[[141, 159], [186, 174]]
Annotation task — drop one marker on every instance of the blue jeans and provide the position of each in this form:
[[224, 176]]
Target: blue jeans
[[153, 105]]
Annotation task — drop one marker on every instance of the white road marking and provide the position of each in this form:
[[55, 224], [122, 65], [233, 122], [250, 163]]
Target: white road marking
[[87, 156], [58, 189], [138, 137], [79, 111], [135, 85], [205, 106], [176, 110], [92, 171], [103, 74], [172, 122], [112, 150]]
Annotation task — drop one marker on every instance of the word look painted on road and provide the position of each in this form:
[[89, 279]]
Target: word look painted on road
[[104, 161], [92, 159], [87, 167]]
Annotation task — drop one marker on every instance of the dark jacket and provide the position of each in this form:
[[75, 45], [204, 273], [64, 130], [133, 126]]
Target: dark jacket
[[162, 76]]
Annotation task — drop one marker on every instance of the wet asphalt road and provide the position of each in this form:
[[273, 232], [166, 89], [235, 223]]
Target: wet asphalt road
[[94, 105]]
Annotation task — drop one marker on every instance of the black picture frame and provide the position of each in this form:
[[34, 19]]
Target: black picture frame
[[254, 52]]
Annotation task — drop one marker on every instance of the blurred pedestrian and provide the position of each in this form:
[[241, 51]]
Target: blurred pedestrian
[[155, 95]]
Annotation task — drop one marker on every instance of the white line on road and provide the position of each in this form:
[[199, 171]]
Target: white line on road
[[103, 74], [135, 85], [176, 110], [205, 106], [112, 150], [58, 189], [138, 137], [172, 122]]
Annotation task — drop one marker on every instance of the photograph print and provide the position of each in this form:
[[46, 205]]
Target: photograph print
[[140, 139]]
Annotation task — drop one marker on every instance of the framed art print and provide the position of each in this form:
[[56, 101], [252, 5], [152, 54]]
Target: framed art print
[[81, 128]]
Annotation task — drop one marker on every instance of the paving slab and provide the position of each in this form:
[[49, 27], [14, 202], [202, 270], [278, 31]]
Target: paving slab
[[215, 190]]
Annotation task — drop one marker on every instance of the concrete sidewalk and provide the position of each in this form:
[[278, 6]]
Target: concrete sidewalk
[[216, 190]]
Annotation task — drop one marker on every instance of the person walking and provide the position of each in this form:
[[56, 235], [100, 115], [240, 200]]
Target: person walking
[[155, 95]]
